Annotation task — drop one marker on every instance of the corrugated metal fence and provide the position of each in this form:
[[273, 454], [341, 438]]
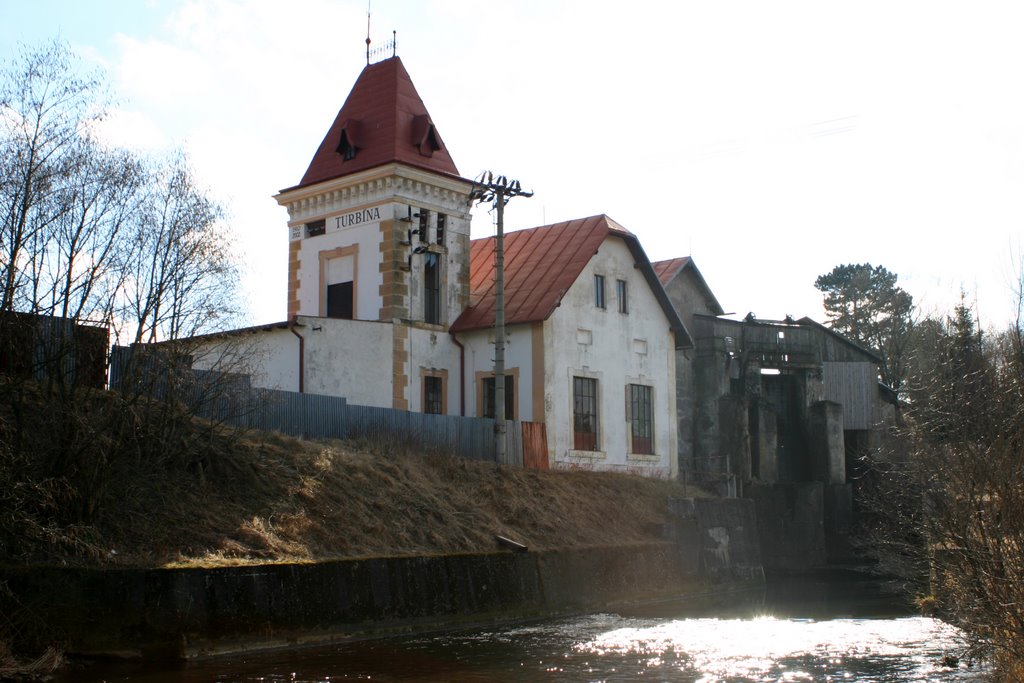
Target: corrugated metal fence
[[312, 416]]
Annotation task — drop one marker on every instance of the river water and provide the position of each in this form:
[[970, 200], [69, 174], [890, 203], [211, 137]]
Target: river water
[[792, 632]]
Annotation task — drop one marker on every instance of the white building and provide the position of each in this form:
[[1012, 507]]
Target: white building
[[390, 304]]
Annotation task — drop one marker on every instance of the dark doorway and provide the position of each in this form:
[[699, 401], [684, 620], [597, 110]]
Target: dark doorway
[[783, 393], [339, 301]]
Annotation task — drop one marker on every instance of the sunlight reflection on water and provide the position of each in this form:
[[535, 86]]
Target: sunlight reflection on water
[[770, 649], [807, 640]]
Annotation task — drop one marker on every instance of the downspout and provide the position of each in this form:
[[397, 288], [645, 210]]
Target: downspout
[[302, 351], [462, 374]]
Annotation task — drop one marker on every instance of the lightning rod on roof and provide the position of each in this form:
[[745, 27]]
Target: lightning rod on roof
[[368, 32]]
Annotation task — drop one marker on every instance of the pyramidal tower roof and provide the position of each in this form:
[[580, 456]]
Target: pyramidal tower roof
[[382, 121]]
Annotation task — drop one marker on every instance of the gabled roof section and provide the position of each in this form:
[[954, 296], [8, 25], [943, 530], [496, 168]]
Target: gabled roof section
[[382, 121], [541, 264], [810, 322], [672, 268]]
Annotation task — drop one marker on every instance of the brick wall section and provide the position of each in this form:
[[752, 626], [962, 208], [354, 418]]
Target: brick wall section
[[293, 277], [394, 291]]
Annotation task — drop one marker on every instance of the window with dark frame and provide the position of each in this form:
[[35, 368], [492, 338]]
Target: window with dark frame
[[433, 391], [424, 228], [622, 294], [442, 223], [641, 418], [599, 300], [584, 413], [431, 289], [340, 301], [510, 394], [316, 228]]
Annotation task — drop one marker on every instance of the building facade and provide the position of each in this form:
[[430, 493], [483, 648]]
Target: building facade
[[391, 304]]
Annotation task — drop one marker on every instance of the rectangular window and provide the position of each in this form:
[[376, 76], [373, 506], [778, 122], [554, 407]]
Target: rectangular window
[[442, 223], [316, 228], [424, 223], [641, 419], [431, 289], [510, 397], [584, 413], [339, 300], [623, 296], [599, 291], [433, 391]]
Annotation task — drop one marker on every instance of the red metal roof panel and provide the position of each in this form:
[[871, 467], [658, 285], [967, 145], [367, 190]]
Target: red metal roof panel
[[385, 104]]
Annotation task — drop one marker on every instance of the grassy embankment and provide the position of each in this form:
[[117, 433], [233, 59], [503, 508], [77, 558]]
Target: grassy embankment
[[109, 482]]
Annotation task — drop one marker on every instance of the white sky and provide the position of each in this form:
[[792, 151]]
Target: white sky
[[770, 141]]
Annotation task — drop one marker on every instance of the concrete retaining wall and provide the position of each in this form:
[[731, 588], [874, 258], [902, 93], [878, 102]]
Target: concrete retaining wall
[[725, 534], [791, 524], [195, 612]]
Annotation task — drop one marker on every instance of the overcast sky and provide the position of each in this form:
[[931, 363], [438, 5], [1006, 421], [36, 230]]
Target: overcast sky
[[771, 141]]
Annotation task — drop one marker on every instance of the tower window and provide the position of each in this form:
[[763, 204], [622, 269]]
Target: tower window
[[442, 223], [424, 225], [431, 289], [316, 228]]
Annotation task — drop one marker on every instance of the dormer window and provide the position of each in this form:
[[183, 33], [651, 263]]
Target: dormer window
[[424, 135], [346, 149], [350, 140]]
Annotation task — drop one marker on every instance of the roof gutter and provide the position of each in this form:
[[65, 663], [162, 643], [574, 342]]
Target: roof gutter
[[302, 351], [462, 373]]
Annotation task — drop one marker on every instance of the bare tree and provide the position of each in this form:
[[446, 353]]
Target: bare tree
[[45, 107], [947, 508], [93, 234], [184, 272]]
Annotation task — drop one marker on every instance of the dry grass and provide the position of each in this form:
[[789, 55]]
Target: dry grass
[[302, 501], [210, 496]]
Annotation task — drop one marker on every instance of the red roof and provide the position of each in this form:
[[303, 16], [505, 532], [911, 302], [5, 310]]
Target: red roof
[[541, 264], [666, 270], [386, 121], [670, 269]]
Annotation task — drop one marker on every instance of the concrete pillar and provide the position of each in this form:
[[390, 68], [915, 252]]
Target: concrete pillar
[[734, 437], [767, 443], [827, 448]]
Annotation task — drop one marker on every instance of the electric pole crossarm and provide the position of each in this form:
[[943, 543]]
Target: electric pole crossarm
[[497, 191]]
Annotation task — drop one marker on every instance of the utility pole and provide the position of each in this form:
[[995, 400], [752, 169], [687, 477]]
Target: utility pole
[[498, 190]]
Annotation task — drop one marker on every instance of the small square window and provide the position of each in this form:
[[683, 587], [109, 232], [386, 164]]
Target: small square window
[[316, 228]]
